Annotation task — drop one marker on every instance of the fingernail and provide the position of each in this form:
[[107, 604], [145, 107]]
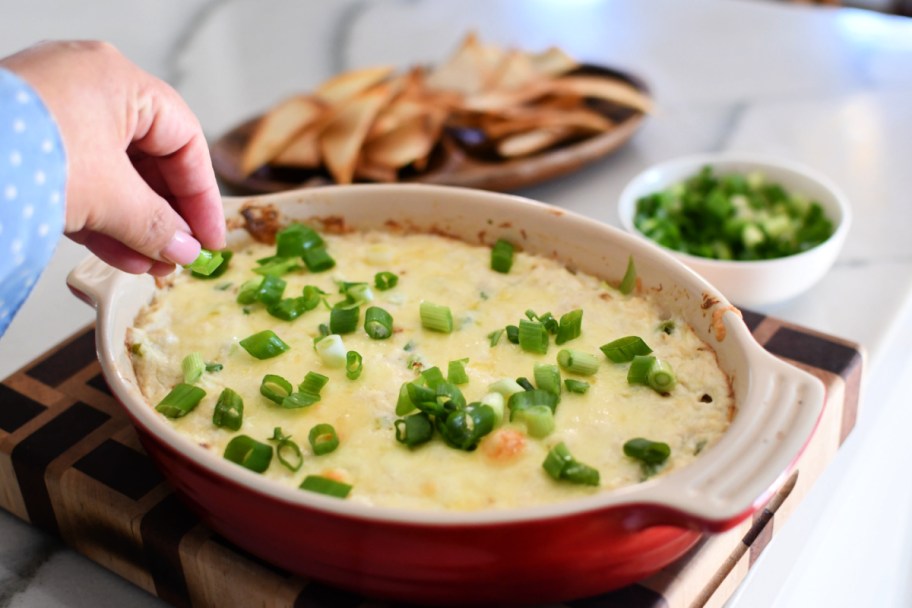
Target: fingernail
[[182, 249]]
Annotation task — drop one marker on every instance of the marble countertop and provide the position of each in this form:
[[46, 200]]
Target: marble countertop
[[830, 88]]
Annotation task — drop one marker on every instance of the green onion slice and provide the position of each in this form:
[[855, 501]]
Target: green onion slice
[[512, 334], [494, 336], [576, 386], [180, 401], [647, 451], [354, 364], [561, 465], [456, 372], [628, 283], [414, 430], [229, 410], [295, 239], [218, 270], [547, 377], [264, 345], [378, 324], [404, 403], [323, 439], [436, 317], [249, 453], [343, 318], [570, 326], [639, 369], [277, 266], [331, 350], [275, 388], [313, 383], [465, 427], [299, 399], [385, 280], [527, 399], [623, 350], [287, 451], [502, 256], [533, 337], [193, 367], [288, 309], [539, 420], [317, 259], [577, 362], [325, 485], [206, 262], [661, 377]]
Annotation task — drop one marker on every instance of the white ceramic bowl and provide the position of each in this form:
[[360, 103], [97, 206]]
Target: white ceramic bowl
[[751, 283]]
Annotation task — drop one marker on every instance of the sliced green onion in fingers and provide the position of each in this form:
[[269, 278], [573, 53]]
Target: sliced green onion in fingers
[[570, 326], [354, 364], [436, 317], [456, 372], [661, 377], [206, 262], [628, 283], [647, 451], [385, 280], [415, 429], [323, 439], [547, 377], [216, 272], [249, 453], [229, 410], [378, 323], [180, 401], [287, 451], [623, 350], [264, 345], [331, 350], [193, 367], [576, 386], [577, 362], [533, 337], [275, 388], [326, 486], [502, 256]]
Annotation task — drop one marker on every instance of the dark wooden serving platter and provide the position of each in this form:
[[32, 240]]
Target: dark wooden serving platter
[[455, 161], [71, 464]]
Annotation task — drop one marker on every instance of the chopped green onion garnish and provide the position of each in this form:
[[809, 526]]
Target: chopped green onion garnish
[[512, 334], [264, 345], [404, 403], [494, 336], [354, 364], [533, 337], [312, 296], [496, 402], [525, 384], [547, 320], [527, 399], [625, 349], [295, 239], [206, 262], [193, 367], [287, 451], [277, 266], [506, 387], [667, 326], [378, 323], [646, 451], [577, 362], [385, 280], [561, 465], [229, 410], [214, 367], [218, 270], [249, 453], [576, 386], [628, 283], [661, 377], [436, 318], [456, 373], [502, 256], [323, 439], [317, 259], [313, 383], [355, 293], [325, 485], [464, 428], [299, 399], [433, 377], [570, 327], [275, 388], [414, 430], [267, 290], [180, 401], [639, 369], [288, 309], [343, 318], [539, 420], [331, 350], [547, 377]]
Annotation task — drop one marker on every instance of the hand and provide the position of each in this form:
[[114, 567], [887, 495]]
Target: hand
[[141, 193]]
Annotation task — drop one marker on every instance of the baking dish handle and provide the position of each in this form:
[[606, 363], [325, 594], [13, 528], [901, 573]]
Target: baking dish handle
[[92, 280]]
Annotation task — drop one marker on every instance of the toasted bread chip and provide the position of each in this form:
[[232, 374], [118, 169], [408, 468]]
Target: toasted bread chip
[[467, 70], [349, 84], [552, 62], [375, 173], [615, 91], [513, 71], [412, 140], [532, 118], [304, 149], [276, 129], [530, 142], [341, 140]]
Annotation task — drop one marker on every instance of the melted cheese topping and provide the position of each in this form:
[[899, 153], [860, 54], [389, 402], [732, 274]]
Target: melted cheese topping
[[192, 315]]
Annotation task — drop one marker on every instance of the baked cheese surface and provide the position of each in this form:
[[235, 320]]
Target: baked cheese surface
[[190, 315]]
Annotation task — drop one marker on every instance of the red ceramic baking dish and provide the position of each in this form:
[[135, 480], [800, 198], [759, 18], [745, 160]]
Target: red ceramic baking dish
[[556, 552]]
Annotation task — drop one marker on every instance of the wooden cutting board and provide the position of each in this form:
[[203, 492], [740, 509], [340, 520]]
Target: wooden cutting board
[[70, 463]]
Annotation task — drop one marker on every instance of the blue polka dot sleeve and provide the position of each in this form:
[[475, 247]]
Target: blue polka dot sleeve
[[32, 188]]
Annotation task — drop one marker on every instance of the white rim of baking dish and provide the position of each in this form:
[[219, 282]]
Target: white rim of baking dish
[[729, 481]]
